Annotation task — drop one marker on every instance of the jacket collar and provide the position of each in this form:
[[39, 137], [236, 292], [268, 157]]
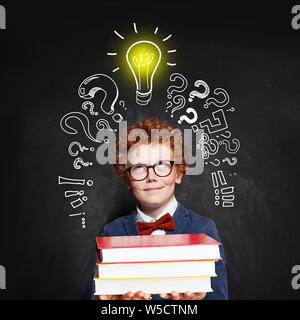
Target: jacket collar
[[180, 219]]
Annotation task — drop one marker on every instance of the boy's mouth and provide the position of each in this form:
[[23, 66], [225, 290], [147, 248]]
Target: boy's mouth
[[153, 189]]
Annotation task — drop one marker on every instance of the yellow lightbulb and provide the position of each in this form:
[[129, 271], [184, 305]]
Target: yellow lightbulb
[[143, 58]]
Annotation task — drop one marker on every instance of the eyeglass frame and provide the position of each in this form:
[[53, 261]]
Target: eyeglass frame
[[172, 162]]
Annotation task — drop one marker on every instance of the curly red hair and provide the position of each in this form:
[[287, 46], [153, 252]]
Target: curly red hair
[[147, 125]]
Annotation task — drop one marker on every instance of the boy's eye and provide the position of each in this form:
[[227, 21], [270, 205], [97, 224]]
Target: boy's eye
[[162, 164], [138, 168]]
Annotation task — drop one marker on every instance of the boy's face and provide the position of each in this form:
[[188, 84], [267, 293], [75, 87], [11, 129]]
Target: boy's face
[[154, 191]]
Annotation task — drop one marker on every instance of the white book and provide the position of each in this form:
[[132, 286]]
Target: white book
[[205, 252], [156, 269], [152, 285]]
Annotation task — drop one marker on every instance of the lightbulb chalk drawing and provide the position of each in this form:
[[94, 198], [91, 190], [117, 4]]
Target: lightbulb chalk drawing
[[143, 58]]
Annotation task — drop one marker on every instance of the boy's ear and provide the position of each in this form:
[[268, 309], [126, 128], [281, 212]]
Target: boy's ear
[[128, 184], [179, 176]]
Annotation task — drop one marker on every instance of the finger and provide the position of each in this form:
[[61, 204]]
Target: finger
[[147, 296], [141, 295], [144, 295], [104, 297], [128, 295], [188, 295], [175, 295], [138, 295], [165, 295]]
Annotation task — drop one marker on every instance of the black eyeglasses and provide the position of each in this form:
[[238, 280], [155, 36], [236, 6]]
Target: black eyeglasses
[[140, 172]]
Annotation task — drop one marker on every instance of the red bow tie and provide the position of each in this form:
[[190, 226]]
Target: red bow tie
[[166, 222]]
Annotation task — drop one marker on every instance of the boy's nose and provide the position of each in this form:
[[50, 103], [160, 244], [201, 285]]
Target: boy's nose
[[151, 174]]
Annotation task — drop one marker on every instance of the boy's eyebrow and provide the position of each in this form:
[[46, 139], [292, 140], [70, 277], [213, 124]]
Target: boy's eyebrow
[[139, 163], [146, 163]]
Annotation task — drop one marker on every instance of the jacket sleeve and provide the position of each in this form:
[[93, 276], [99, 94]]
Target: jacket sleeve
[[219, 283]]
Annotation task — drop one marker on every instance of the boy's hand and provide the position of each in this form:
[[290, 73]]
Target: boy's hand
[[140, 295], [174, 295]]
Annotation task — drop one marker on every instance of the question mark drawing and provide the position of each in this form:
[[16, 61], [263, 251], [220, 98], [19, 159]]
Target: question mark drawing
[[208, 146], [83, 120], [229, 148], [218, 103], [231, 162], [200, 95], [186, 118], [179, 101], [100, 82], [89, 105], [117, 117], [218, 123], [78, 162], [81, 148], [169, 105], [226, 134], [103, 124], [216, 163], [122, 104], [231, 109], [184, 83]]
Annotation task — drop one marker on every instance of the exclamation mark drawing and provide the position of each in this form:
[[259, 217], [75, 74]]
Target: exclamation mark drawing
[[2, 17], [72, 193], [82, 219], [226, 194], [2, 278], [63, 180]]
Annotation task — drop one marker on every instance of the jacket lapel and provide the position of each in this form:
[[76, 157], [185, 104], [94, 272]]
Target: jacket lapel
[[181, 218], [130, 225]]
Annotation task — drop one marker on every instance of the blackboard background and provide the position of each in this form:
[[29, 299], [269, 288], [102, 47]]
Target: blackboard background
[[49, 48]]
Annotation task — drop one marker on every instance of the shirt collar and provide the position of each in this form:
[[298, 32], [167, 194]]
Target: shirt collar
[[141, 216]]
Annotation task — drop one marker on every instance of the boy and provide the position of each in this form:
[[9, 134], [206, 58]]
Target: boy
[[151, 174]]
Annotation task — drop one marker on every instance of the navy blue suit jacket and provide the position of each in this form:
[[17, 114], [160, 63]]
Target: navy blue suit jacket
[[186, 221]]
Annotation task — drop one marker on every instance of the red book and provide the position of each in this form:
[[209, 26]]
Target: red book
[[146, 248]]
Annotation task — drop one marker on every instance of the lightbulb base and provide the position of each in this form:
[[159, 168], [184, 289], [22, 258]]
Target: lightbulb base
[[143, 98]]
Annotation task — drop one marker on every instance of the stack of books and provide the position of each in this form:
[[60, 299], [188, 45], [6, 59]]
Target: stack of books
[[156, 263]]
